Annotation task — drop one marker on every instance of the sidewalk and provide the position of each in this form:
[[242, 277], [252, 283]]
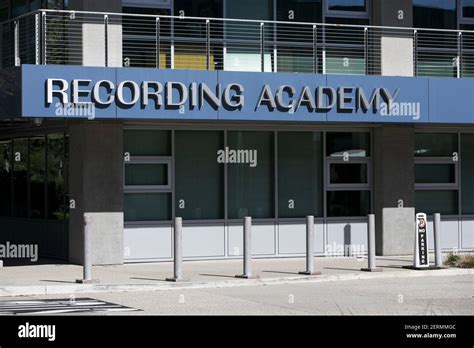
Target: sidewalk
[[60, 279]]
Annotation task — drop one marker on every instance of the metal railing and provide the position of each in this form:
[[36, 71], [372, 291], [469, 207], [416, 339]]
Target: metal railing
[[170, 42]]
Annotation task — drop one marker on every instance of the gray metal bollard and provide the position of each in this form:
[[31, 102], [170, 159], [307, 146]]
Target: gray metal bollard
[[178, 251], [87, 268], [247, 239], [371, 245], [437, 240], [310, 247]]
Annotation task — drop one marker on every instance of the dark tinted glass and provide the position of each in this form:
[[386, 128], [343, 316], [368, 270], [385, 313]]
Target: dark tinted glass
[[348, 173], [439, 14], [147, 142], [251, 188], [435, 144], [467, 173], [443, 202], [354, 144], [434, 173], [147, 206], [56, 177], [468, 8], [300, 179], [20, 177], [347, 5], [5, 177], [37, 177], [199, 177], [348, 203]]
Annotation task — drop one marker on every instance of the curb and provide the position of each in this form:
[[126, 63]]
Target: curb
[[37, 290]]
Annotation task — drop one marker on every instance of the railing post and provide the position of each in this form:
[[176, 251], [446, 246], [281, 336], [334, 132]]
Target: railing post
[[37, 39], [208, 44], [415, 52], [310, 247], [371, 245], [87, 262], [247, 241], [43, 38], [178, 254], [106, 39], [17, 43], [315, 49], [460, 62], [158, 48], [262, 46], [366, 50], [437, 240]]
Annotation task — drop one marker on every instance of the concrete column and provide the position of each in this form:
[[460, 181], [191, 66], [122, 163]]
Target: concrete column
[[96, 186], [394, 194], [93, 32], [395, 46]]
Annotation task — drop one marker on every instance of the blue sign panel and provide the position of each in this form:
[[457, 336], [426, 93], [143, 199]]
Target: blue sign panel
[[146, 93], [409, 99], [451, 100]]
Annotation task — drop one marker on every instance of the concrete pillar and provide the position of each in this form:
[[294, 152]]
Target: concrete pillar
[[93, 32], [394, 194], [96, 186], [395, 46]]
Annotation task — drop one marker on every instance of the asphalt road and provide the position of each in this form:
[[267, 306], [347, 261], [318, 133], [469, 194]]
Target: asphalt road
[[440, 295]]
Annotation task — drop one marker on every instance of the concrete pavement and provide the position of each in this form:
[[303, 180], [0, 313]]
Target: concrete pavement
[[60, 279]]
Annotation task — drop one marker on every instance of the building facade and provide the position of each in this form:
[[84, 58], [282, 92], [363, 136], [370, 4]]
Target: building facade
[[131, 113]]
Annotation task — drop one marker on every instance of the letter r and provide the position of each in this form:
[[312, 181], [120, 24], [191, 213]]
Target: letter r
[[61, 93]]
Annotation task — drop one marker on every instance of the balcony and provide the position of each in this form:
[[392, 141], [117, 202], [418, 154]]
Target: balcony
[[167, 42]]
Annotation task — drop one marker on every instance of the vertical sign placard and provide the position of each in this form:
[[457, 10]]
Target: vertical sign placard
[[421, 242]]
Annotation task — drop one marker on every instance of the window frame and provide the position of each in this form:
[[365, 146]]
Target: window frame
[[347, 14], [148, 188], [348, 186], [438, 186]]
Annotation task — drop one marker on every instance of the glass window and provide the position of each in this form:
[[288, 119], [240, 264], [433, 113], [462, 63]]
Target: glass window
[[147, 206], [5, 177], [350, 144], [37, 177], [199, 177], [146, 174], [34, 5], [467, 8], [4, 15], [440, 14], [348, 173], [198, 8], [250, 185], [347, 5], [56, 177], [249, 9], [309, 11], [300, 179], [435, 144], [440, 201], [18, 7], [348, 203], [147, 142], [433, 173], [20, 177], [467, 173]]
